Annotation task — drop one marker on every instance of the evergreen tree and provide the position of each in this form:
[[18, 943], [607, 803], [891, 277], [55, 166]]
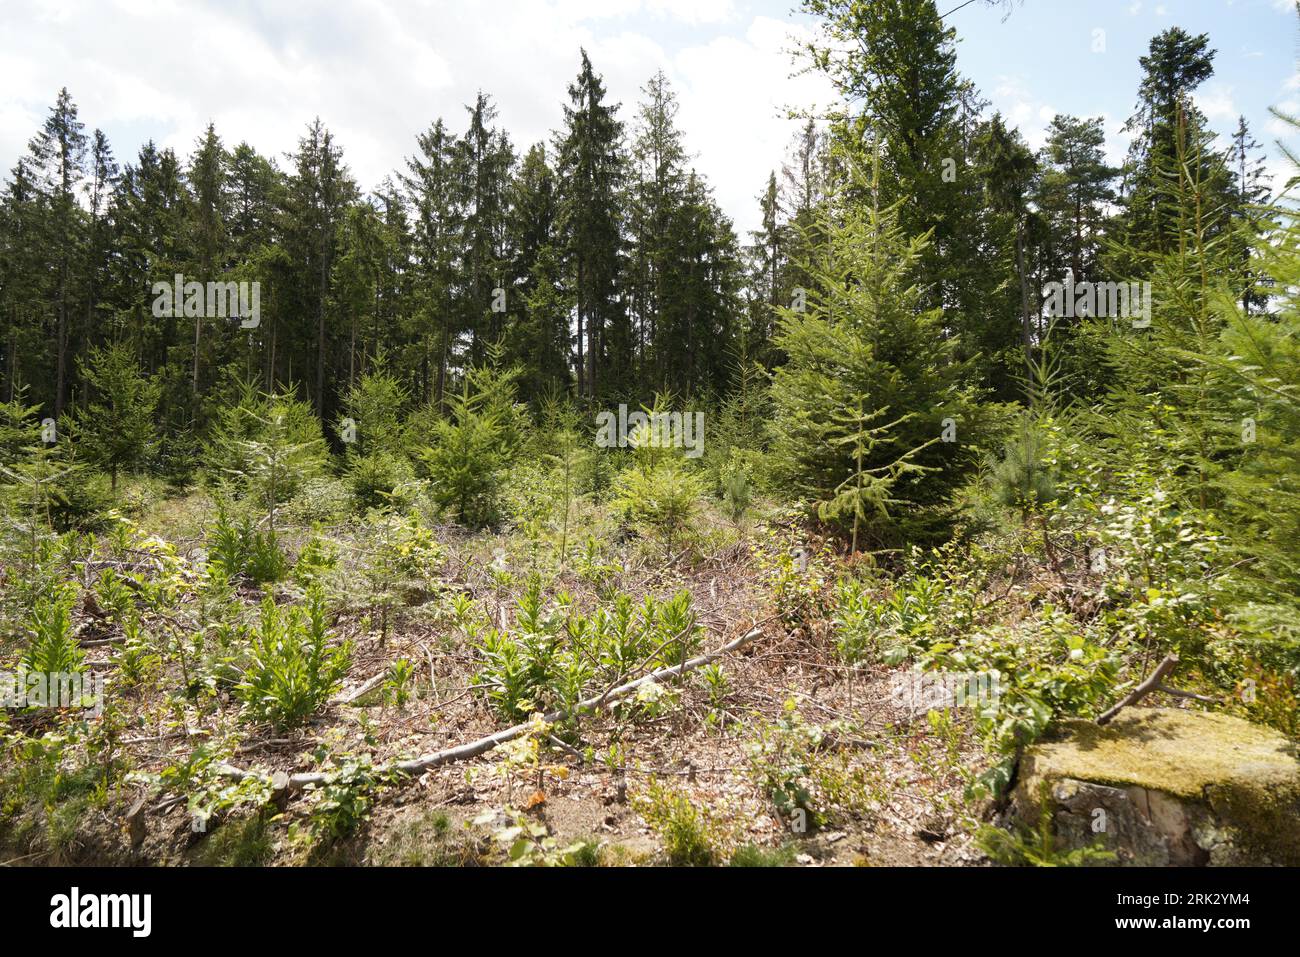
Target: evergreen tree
[[538, 342], [438, 223], [484, 162], [208, 179], [57, 161], [590, 168], [318, 196], [769, 279], [1073, 192], [655, 197], [895, 62], [20, 279], [1252, 193], [872, 385], [151, 212], [116, 428], [1168, 126], [100, 185]]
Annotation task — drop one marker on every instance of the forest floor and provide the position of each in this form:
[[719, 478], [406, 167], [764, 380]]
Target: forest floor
[[705, 773]]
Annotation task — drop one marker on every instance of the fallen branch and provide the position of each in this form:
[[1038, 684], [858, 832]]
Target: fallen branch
[[1152, 683], [473, 749], [361, 692], [1180, 693]]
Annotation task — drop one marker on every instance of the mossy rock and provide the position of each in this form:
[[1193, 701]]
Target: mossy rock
[[1169, 787]]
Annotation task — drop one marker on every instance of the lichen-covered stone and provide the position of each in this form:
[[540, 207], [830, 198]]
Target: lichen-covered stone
[[1161, 786]]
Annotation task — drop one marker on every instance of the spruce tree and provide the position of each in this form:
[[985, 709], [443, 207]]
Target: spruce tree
[[872, 386], [116, 428], [58, 156], [437, 224], [590, 168]]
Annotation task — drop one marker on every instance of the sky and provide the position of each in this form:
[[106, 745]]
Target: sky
[[378, 72]]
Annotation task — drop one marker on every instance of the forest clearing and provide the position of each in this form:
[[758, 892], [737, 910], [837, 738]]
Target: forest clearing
[[521, 510]]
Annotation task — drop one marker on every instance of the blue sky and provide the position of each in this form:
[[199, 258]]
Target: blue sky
[[1255, 65], [380, 71]]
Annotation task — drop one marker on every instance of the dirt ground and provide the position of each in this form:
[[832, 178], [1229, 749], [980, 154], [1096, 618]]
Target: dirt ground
[[902, 775]]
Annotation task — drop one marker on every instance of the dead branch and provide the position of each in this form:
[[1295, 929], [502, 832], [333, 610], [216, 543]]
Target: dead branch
[[473, 749], [360, 692], [1152, 683]]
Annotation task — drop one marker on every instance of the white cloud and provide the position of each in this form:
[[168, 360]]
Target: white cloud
[[694, 11], [378, 73], [1215, 101], [1023, 110]]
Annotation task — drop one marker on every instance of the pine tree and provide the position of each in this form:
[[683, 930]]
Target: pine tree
[[58, 156], [655, 195], [151, 214], [116, 428], [894, 65], [484, 163], [438, 223], [357, 278], [538, 342], [1009, 170], [872, 385], [699, 295], [208, 180], [319, 193], [20, 278], [100, 185], [1167, 125], [1073, 193], [472, 447], [1251, 195], [769, 280], [590, 168]]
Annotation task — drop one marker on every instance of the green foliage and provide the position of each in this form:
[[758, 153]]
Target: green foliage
[[399, 554], [781, 758], [268, 446], [690, 833], [241, 548], [292, 669], [751, 855], [116, 429], [375, 405], [528, 843], [378, 480], [375, 439], [397, 686], [52, 649], [471, 449], [737, 490], [659, 495], [871, 385], [346, 799], [1023, 479], [891, 628], [1047, 668], [46, 789], [555, 656]]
